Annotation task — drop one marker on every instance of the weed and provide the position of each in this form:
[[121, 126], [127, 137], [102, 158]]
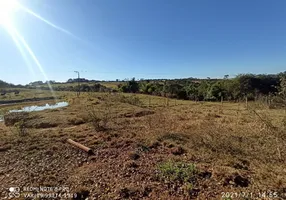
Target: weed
[[21, 128], [188, 187], [99, 118], [177, 172]]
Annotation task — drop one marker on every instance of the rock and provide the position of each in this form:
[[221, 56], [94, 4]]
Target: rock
[[240, 181], [155, 145], [240, 166], [194, 192], [147, 191], [170, 145], [75, 121], [134, 156], [237, 181], [205, 174], [5, 148], [131, 165], [127, 193], [177, 151]]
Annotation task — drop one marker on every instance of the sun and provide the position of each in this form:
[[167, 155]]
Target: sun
[[7, 8]]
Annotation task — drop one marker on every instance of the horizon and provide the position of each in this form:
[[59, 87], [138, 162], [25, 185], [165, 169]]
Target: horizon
[[144, 79], [109, 40]]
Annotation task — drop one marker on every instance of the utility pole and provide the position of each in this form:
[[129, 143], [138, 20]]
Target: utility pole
[[78, 92]]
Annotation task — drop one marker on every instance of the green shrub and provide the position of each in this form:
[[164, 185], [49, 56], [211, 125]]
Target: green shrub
[[177, 172]]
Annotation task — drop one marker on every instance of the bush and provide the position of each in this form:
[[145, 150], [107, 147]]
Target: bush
[[99, 118]]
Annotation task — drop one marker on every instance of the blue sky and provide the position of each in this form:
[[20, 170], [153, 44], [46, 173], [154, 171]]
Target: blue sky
[[147, 39]]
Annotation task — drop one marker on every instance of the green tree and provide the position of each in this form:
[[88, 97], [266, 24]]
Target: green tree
[[130, 86], [133, 86], [192, 91], [217, 91], [203, 90]]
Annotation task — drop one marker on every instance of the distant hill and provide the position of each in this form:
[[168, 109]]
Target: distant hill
[[3, 84]]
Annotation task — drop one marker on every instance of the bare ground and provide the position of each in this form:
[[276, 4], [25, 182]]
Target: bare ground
[[144, 152]]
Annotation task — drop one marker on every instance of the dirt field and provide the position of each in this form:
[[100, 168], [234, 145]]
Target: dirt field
[[148, 147]]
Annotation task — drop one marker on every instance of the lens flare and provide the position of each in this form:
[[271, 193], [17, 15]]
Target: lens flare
[[7, 8], [46, 21], [19, 47], [27, 47], [51, 24]]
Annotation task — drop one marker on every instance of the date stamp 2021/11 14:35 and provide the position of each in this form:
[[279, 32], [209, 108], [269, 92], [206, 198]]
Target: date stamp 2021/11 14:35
[[253, 195]]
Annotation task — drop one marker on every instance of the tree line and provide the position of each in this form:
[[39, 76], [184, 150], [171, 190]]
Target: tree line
[[83, 87], [243, 86]]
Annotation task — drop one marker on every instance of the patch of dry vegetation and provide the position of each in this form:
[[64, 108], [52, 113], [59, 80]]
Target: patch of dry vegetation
[[143, 150]]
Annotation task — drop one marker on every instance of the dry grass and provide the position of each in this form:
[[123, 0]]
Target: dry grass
[[233, 148], [26, 93]]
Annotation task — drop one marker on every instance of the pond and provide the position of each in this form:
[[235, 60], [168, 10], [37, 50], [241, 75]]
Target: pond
[[38, 108]]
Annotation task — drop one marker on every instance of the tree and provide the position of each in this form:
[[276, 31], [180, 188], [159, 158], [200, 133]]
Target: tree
[[192, 91], [133, 86], [130, 86], [217, 91], [203, 90]]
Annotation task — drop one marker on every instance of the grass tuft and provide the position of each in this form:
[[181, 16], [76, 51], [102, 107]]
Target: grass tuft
[[177, 172]]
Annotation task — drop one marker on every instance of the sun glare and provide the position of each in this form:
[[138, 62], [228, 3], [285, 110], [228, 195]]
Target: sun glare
[[7, 8]]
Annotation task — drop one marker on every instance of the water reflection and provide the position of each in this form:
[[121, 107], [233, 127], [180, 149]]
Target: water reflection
[[40, 108]]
